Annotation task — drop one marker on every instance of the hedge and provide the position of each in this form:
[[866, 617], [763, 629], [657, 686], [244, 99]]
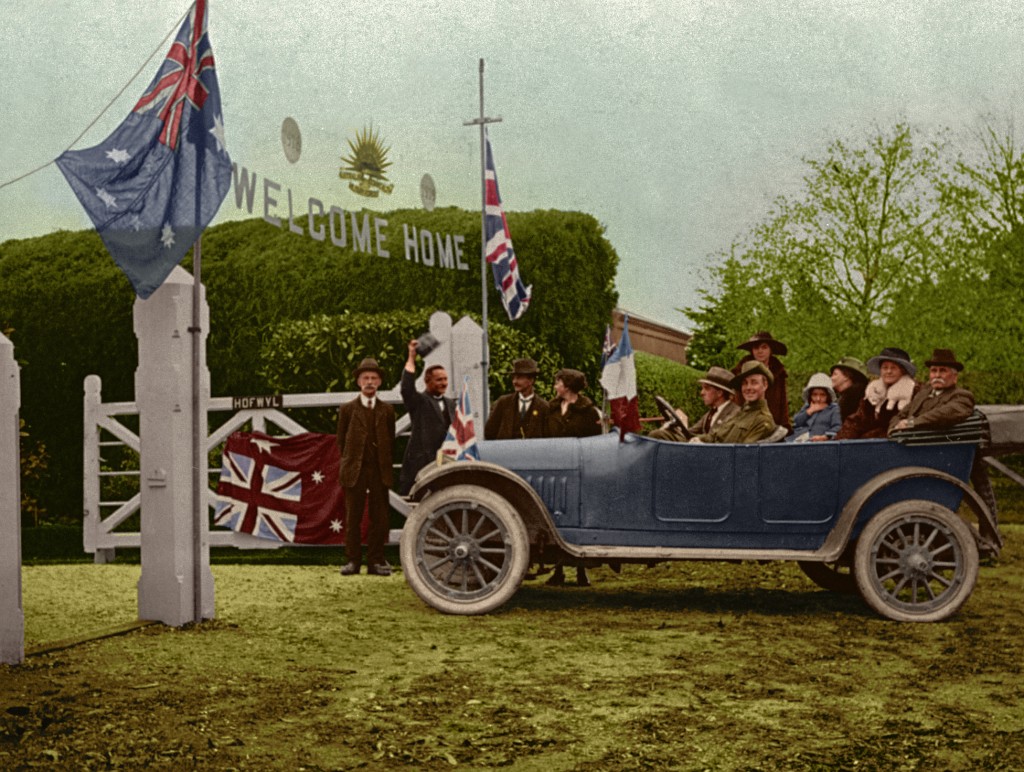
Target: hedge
[[68, 308]]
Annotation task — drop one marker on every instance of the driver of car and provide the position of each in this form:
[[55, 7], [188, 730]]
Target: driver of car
[[754, 421], [716, 393]]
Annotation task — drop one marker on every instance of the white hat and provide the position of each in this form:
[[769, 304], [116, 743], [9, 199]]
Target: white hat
[[819, 381]]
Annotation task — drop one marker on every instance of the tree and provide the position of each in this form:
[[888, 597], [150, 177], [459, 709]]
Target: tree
[[974, 303], [827, 267]]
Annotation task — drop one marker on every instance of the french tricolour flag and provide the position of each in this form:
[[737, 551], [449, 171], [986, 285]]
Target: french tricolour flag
[[618, 378]]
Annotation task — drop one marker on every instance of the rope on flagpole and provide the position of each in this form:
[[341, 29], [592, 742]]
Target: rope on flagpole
[[117, 96]]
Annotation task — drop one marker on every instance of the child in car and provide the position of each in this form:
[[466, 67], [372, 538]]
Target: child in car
[[818, 419]]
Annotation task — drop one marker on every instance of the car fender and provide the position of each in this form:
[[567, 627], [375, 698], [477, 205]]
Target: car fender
[[507, 484], [984, 530]]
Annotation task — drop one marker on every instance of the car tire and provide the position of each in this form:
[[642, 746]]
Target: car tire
[[834, 577], [464, 550], [916, 561]]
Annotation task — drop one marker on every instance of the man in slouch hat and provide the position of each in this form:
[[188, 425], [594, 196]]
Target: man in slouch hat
[[519, 415], [716, 393], [366, 436], [754, 421]]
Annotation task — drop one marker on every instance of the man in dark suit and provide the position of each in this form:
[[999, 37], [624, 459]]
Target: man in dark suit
[[431, 413], [940, 406], [519, 415], [366, 437]]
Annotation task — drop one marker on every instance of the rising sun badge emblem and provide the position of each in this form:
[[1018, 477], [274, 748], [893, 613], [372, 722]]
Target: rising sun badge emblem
[[365, 165]]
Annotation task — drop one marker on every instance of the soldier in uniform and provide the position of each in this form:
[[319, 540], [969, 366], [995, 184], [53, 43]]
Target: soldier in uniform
[[754, 421]]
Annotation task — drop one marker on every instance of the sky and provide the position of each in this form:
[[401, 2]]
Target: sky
[[675, 123]]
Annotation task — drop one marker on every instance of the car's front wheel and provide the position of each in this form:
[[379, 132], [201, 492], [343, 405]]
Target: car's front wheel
[[464, 550], [916, 561]]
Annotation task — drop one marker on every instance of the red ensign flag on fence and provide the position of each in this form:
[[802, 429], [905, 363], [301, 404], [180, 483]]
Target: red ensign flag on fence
[[282, 488]]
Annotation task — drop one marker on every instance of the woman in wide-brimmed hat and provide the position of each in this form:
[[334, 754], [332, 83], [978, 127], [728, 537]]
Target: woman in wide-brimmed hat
[[765, 349], [883, 397]]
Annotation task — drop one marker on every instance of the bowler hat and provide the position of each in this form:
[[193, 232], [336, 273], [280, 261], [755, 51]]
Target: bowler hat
[[896, 355], [720, 378], [853, 367], [753, 367], [525, 367], [426, 343], [369, 364], [944, 357], [777, 346]]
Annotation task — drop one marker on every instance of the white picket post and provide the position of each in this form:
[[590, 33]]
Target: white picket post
[[12, 617], [466, 344], [91, 467], [163, 392]]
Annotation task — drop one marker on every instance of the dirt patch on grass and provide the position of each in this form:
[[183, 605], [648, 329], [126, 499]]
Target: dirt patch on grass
[[681, 666]]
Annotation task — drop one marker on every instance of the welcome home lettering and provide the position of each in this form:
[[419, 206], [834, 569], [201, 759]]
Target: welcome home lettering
[[441, 250]]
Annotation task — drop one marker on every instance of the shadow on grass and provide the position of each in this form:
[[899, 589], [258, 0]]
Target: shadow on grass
[[769, 602]]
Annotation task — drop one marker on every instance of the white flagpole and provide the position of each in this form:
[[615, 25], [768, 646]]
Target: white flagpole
[[482, 121]]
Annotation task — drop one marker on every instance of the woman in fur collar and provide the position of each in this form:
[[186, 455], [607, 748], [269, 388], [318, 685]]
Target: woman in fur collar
[[883, 397]]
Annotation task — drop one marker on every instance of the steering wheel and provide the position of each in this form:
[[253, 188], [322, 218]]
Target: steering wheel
[[669, 414]]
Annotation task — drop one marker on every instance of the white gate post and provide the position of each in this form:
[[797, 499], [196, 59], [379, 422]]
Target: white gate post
[[467, 341], [163, 392], [12, 617]]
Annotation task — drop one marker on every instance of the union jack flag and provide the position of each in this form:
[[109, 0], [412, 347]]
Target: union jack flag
[[515, 296], [282, 488], [261, 490], [178, 80], [460, 442], [607, 348], [156, 182]]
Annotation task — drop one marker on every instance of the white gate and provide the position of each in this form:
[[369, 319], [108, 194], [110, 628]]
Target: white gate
[[106, 426]]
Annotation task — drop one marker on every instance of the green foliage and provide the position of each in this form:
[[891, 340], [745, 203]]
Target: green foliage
[[320, 353], [675, 382], [258, 275], [69, 308], [893, 241], [35, 462]]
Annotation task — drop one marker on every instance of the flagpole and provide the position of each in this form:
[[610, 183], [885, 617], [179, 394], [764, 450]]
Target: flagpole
[[482, 121], [198, 435]]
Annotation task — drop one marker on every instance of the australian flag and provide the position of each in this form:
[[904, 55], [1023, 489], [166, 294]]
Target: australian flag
[[515, 296], [154, 184], [460, 442]]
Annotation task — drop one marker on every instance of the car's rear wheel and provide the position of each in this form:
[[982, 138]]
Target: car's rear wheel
[[916, 561], [464, 550], [834, 576]]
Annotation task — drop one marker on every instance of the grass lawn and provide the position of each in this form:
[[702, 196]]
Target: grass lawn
[[680, 666]]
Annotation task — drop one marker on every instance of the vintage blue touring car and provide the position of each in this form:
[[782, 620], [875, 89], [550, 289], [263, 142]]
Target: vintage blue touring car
[[875, 516]]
